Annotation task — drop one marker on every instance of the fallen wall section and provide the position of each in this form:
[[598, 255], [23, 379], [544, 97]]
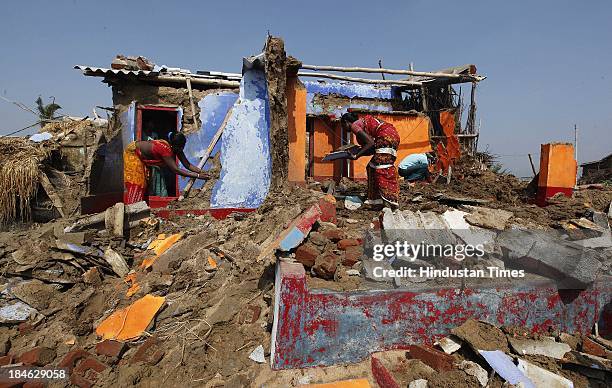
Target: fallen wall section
[[321, 328]]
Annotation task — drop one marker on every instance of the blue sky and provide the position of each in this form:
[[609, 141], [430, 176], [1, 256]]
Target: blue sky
[[547, 62]]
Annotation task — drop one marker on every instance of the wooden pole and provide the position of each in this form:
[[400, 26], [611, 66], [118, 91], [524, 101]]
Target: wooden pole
[[360, 80], [576, 150], [532, 167], [382, 73], [209, 150], [389, 71]]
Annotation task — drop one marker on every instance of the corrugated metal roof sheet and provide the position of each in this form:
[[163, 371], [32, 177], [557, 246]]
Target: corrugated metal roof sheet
[[103, 72]]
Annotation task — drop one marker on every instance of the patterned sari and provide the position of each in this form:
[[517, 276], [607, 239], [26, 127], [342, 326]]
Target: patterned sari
[[135, 172], [383, 184]]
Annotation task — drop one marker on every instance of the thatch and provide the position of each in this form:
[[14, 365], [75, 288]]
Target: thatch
[[19, 170]]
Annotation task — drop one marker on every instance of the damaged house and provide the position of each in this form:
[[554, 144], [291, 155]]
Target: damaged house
[[305, 105]]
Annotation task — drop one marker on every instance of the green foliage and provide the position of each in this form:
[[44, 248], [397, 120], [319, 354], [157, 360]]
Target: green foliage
[[46, 112]]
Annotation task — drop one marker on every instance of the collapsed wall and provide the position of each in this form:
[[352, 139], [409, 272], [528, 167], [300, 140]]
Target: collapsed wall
[[276, 75]]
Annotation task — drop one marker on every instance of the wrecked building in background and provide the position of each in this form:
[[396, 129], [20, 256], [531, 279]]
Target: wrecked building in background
[[598, 171], [427, 110]]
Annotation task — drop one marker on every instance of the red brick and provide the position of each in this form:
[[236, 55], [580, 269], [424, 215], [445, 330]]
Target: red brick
[[334, 234], [110, 348], [328, 208], [345, 243], [307, 254], [326, 265], [383, 377], [72, 357], [591, 347], [352, 255], [39, 356], [149, 352], [86, 373], [25, 328], [6, 360], [250, 314], [34, 384], [436, 359], [92, 276], [317, 239]]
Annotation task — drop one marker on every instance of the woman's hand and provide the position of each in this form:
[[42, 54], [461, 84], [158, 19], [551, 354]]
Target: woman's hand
[[203, 175]]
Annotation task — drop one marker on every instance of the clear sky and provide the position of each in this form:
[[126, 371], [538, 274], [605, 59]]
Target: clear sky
[[548, 63]]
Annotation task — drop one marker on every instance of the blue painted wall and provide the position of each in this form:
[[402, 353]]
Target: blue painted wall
[[245, 150], [213, 108], [350, 90]]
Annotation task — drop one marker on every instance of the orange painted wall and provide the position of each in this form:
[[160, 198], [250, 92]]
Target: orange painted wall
[[558, 167], [296, 120], [414, 138], [326, 139]]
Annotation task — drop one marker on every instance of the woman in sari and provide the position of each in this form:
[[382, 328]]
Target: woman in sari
[[140, 154], [381, 140]]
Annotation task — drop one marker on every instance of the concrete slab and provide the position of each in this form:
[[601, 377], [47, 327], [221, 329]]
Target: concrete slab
[[568, 263], [548, 348], [542, 377]]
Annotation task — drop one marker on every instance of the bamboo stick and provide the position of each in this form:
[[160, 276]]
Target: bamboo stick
[[360, 80], [209, 150], [388, 71]]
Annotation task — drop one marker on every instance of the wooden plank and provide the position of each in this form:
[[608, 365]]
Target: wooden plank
[[209, 150], [51, 193]]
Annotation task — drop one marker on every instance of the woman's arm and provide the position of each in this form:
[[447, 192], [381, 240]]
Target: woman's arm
[[368, 145], [181, 156], [171, 164]]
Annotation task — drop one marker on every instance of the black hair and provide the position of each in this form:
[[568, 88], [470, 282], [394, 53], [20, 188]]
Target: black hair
[[177, 140], [349, 117]]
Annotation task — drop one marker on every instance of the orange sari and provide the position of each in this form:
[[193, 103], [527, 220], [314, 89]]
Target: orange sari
[[135, 172]]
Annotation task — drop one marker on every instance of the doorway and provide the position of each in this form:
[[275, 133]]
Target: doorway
[[155, 123]]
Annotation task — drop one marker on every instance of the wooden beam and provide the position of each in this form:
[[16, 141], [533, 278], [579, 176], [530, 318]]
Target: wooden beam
[[209, 150], [389, 71], [51, 193], [360, 80]]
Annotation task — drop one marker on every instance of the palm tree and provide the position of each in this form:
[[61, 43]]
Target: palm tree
[[46, 112]]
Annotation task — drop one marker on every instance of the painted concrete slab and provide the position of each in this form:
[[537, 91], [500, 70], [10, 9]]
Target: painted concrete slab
[[321, 327]]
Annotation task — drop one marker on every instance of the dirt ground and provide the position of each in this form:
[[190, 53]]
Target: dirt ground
[[207, 328]]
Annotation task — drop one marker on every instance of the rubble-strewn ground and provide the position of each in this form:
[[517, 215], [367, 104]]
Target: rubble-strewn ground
[[218, 296]]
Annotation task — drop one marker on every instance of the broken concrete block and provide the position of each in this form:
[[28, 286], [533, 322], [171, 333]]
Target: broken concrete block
[[297, 230], [570, 264], [92, 276], [569, 339], [401, 369], [542, 377], [420, 383], [449, 344], [502, 364], [473, 369], [352, 202], [544, 347], [481, 335], [436, 359], [257, 355], [488, 218], [117, 262], [114, 219]]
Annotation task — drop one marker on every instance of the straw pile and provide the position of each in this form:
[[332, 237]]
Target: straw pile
[[19, 169]]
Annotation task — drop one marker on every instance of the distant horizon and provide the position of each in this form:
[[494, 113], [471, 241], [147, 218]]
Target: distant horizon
[[546, 63]]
